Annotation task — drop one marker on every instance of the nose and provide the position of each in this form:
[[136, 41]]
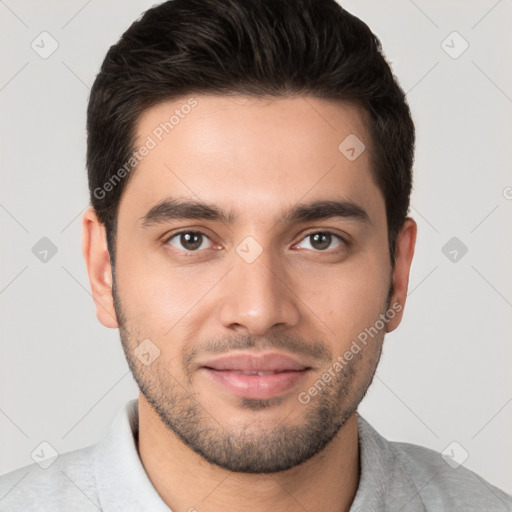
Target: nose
[[258, 296]]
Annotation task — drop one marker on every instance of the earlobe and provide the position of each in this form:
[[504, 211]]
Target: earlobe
[[405, 244], [97, 260]]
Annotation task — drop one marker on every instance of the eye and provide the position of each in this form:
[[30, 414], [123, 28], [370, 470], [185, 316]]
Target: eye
[[322, 240], [189, 240]]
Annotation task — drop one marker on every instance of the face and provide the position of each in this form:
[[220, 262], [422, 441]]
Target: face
[[251, 258]]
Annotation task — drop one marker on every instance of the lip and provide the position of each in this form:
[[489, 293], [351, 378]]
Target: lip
[[241, 374], [246, 362]]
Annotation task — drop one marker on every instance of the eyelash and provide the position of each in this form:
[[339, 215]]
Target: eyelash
[[343, 241]]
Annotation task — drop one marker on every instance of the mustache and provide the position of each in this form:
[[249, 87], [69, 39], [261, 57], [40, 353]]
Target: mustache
[[317, 350]]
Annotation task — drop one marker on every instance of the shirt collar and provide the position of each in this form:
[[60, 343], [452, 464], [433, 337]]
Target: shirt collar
[[384, 483], [124, 486]]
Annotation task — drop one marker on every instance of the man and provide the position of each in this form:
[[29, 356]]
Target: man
[[250, 171]]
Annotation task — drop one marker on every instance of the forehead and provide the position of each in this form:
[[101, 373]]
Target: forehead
[[249, 153]]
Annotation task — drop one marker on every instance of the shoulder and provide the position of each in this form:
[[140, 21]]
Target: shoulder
[[445, 485], [67, 484], [413, 478]]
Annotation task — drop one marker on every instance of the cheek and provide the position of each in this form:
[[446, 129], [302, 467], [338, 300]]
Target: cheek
[[348, 298], [158, 297]]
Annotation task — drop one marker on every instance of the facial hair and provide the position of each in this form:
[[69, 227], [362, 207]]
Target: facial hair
[[248, 448]]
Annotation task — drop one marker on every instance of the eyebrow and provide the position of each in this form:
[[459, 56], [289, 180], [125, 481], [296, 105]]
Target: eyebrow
[[177, 209]]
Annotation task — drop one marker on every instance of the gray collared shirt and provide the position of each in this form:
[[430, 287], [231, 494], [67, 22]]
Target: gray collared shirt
[[109, 476]]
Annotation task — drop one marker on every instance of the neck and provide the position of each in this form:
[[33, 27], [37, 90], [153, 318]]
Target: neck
[[186, 482]]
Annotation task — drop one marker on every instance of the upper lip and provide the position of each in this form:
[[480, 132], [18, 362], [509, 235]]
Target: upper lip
[[269, 362]]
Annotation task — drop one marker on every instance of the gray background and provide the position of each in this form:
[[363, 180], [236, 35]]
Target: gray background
[[445, 374]]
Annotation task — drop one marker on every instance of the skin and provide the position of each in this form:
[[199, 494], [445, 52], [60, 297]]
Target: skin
[[256, 158]]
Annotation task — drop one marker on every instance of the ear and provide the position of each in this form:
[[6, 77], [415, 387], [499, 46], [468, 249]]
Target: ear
[[97, 259], [404, 250]]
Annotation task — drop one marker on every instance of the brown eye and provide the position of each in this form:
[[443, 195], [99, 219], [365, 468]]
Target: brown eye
[[322, 241], [189, 240]]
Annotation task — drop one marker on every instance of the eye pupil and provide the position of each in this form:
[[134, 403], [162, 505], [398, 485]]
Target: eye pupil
[[321, 241], [191, 241]]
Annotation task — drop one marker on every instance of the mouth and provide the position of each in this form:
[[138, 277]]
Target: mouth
[[256, 376]]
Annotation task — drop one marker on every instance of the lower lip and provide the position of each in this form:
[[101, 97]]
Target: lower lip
[[256, 386]]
